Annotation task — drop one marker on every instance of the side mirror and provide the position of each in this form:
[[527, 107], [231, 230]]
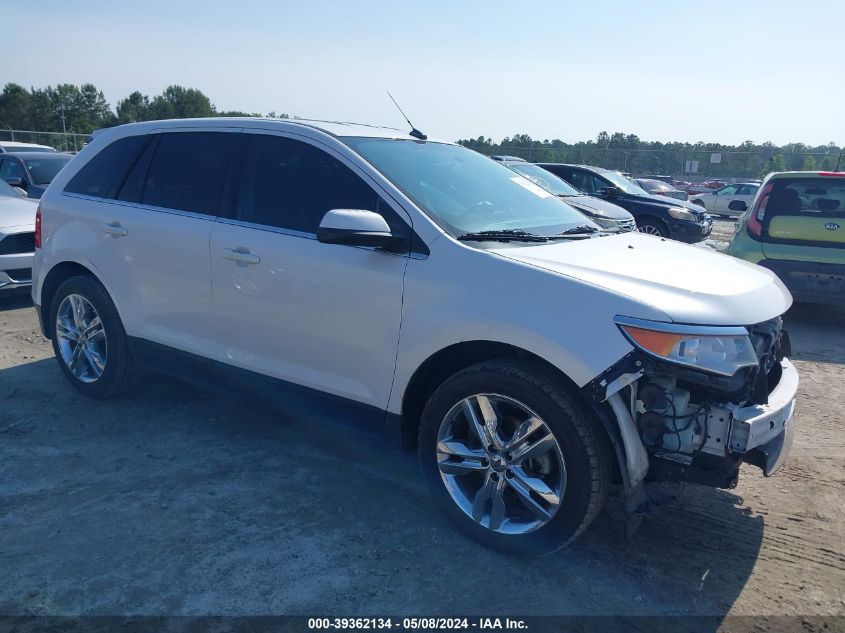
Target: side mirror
[[737, 205], [355, 227], [21, 192], [14, 182]]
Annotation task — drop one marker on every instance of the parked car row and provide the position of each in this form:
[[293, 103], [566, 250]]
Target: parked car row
[[654, 214]]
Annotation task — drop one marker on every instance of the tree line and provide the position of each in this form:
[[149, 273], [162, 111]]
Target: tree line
[[689, 161], [82, 109]]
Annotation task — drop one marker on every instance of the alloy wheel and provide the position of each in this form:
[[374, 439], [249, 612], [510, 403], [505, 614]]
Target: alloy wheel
[[81, 338], [650, 229], [501, 463]]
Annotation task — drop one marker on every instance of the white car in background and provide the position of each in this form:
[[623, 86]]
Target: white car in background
[[17, 238], [10, 147], [718, 202]]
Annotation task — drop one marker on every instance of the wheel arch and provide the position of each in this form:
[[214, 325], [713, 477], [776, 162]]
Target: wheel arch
[[54, 278], [446, 362], [654, 218]]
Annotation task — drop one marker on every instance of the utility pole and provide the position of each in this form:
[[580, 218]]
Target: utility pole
[[64, 129]]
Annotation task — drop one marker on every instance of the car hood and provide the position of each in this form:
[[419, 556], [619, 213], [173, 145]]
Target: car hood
[[689, 284], [665, 201], [17, 212], [596, 206]]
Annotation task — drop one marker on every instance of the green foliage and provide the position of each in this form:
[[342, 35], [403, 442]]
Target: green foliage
[[627, 152], [82, 109], [85, 109]]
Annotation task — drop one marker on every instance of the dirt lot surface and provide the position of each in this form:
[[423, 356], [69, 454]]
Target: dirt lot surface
[[177, 500]]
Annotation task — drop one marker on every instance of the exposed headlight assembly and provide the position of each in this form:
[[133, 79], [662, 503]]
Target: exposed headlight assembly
[[681, 214], [719, 350]]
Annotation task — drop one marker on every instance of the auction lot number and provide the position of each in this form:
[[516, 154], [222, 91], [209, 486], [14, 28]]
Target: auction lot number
[[412, 624]]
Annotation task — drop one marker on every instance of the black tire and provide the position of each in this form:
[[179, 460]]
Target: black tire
[[119, 368], [584, 446], [658, 225], [699, 203]]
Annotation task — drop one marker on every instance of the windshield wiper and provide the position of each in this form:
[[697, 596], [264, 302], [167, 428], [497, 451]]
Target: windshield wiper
[[581, 229], [503, 236]]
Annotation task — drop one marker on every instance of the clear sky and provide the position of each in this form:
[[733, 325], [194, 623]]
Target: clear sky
[[687, 71]]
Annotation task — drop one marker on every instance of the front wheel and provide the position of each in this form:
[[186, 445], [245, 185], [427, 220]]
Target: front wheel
[[88, 338], [513, 458], [652, 226]]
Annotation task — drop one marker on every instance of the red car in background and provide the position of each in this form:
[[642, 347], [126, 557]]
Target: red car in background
[[704, 187]]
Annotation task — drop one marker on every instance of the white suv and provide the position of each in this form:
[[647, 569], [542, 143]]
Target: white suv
[[531, 358]]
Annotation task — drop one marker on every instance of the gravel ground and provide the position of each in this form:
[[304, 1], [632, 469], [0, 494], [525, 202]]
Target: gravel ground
[[177, 500]]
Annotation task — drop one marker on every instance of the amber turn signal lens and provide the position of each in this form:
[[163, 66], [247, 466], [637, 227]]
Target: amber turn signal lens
[[660, 343]]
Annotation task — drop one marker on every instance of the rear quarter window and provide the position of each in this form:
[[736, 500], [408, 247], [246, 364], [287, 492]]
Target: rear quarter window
[[186, 171], [807, 197], [102, 176]]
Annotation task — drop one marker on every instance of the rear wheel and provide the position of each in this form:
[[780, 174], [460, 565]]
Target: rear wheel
[[89, 341], [512, 458]]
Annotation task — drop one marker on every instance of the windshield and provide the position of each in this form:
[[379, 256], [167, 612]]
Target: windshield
[[623, 183], [43, 171], [6, 190], [465, 192], [545, 179]]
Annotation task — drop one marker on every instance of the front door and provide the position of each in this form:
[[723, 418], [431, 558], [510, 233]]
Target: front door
[[322, 316], [723, 198]]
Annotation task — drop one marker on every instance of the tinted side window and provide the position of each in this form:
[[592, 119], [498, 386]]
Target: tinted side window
[[600, 183], [291, 185], [133, 185], [102, 175], [10, 169], [567, 174], [186, 171], [581, 180]]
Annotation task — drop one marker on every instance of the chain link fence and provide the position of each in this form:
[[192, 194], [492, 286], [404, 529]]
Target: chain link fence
[[62, 141]]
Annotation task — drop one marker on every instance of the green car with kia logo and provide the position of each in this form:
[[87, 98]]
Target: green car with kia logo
[[795, 227]]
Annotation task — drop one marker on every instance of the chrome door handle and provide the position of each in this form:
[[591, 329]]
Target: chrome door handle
[[241, 255], [114, 229]]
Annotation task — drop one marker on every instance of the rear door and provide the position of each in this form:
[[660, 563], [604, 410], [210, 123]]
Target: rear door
[[804, 218], [322, 316], [156, 233]]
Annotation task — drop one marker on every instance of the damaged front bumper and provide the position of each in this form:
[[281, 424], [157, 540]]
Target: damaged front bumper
[[757, 434], [762, 433]]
